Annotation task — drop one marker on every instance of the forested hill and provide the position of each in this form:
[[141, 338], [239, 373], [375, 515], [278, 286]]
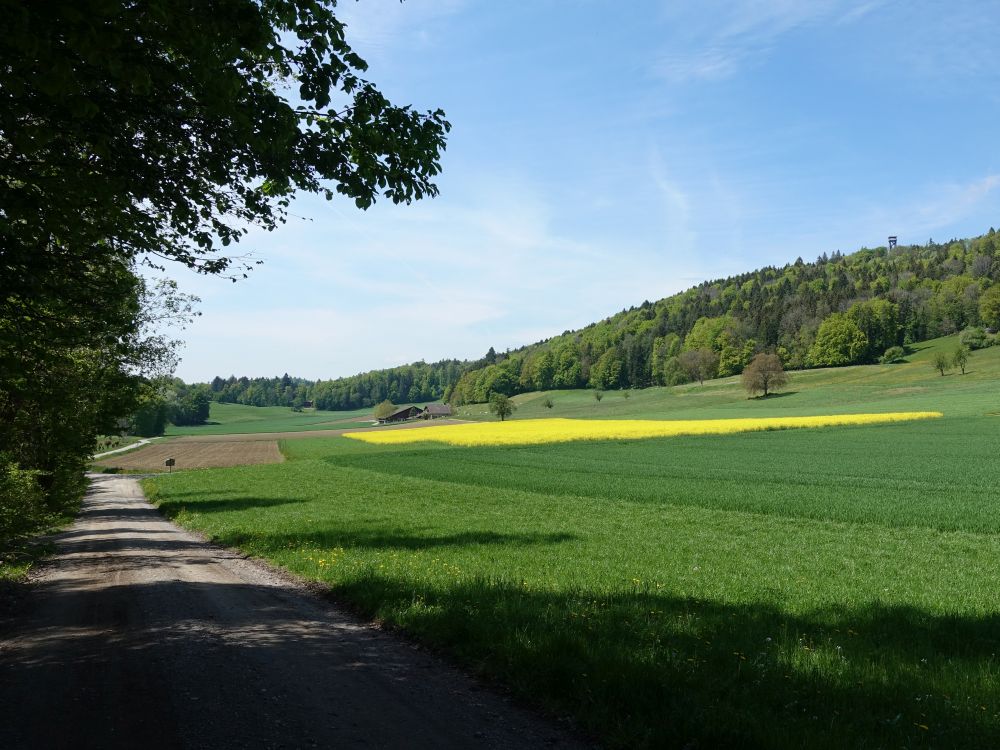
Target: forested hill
[[838, 310], [417, 382]]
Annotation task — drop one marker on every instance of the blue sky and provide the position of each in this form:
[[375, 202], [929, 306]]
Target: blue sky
[[606, 153]]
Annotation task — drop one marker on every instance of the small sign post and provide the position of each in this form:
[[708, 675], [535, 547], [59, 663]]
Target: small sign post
[[169, 463]]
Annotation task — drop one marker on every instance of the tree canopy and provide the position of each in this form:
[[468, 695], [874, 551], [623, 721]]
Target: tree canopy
[[839, 341], [763, 375], [501, 406], [165, 128], [890, 297], [384, 409], [152, 132]]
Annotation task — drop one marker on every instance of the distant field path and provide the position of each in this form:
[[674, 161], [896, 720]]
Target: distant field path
[[252, 436], [201, 455], [137, 634], [244, 449]]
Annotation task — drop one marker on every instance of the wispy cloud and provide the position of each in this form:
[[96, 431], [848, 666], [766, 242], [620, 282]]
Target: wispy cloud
[[715, 44], [675, 207], [938, 210], [973, 26], [950, 204], [447, 279], [376, 27]]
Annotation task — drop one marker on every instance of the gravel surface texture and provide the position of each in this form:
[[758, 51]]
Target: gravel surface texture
[[137, 634]]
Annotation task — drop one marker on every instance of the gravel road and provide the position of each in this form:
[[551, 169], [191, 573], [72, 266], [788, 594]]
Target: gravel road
[[136, 634]]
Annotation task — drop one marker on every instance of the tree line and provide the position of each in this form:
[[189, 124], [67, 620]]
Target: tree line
[[838, 310], [413, 383]]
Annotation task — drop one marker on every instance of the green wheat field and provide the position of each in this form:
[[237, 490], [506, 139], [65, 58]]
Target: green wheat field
[[830, 587]]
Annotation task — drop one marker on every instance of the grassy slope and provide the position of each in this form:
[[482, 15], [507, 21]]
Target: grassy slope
[[228, 419], [801, 588], [907, 386]]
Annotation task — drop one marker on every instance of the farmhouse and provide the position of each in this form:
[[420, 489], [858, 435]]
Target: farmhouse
[[432, 411], [401, 414]]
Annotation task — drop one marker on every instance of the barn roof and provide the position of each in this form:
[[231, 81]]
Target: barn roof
[[401, 411], [436, 409]]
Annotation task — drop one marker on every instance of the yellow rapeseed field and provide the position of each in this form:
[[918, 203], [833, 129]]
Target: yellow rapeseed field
[[536, 431]]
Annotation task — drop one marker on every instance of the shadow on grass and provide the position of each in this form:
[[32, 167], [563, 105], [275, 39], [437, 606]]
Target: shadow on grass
[[770, 396], [647, 668], [173, 506], [643, 669], [409, 538]]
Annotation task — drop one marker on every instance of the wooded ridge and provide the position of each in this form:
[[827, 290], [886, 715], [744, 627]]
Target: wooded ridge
[[838, 310]]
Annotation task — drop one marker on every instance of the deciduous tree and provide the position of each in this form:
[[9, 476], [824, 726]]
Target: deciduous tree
[[384, 409], [501, 406], [839, 341], [699, 364], [989, 306], [165, 129], [892, 355], [960, 358], [160, 131], [941, 362], [878, 319], [763, 375]]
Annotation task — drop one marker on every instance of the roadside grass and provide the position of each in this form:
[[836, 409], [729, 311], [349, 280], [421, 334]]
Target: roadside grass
[[115, 442], [17, 560], [20, 554], [811, 588], [229, 419]]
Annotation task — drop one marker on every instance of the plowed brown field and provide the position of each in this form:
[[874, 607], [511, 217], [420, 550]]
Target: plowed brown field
[[199, 455]]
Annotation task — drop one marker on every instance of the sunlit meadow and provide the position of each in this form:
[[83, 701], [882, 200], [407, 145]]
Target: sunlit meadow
[[829, 587]]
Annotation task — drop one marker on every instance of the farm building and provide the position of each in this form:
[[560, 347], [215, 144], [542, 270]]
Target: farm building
[[432, 411], [401, 414]]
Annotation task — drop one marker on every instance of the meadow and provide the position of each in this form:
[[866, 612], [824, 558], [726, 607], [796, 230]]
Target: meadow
[[828, 587], [910, 386], [230, 419]]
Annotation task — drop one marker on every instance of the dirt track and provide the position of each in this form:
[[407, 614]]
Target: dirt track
[[208, 451], [306, 433], [139, 635], [198, 455]]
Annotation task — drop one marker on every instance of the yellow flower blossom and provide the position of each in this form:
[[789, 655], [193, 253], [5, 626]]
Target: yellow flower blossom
[[538, 431]]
